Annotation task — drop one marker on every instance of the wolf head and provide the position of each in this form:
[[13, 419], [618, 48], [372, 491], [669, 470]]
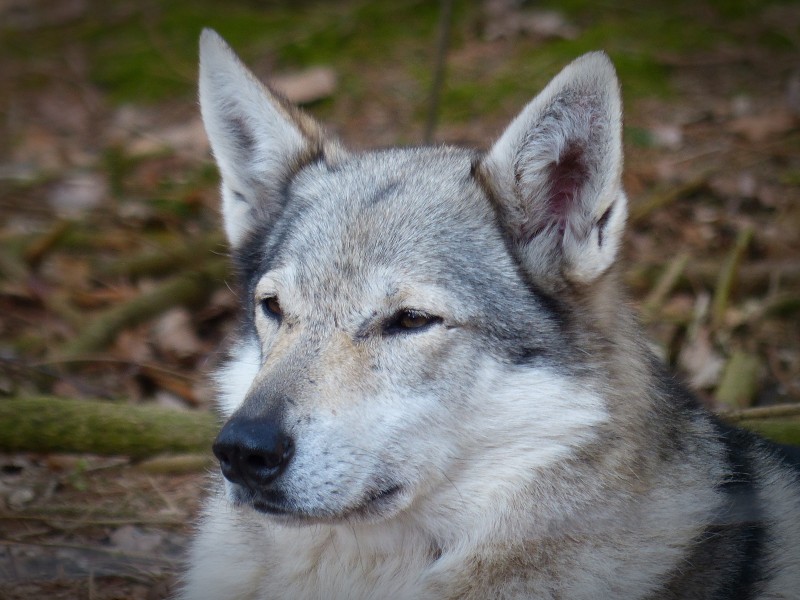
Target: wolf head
[[409, 315]]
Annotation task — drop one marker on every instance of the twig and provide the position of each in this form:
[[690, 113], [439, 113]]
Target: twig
[[779, 423], [146, 557], [41, 245], [727, 277], [176, 464], [762, 412], [155, 263], [751, 277], [445, 22], [189, 288], [661, 197], [94, 521], [148, 368], [664, 286]]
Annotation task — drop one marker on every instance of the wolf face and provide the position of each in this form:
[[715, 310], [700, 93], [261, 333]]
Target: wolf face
[[393, 295]]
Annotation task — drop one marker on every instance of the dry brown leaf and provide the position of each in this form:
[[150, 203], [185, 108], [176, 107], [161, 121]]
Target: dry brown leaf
[[700, 361], [130, 538], [77, 194], [666, 136], [505, 18], [173, 333], [306, 86], [757, 128]]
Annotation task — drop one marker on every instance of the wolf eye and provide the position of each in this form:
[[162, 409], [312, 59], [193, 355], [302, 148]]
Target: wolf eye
[[271, 307], [408, 320]]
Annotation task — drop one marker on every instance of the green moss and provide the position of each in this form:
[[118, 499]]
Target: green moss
[[153, 55], [635, 39], [173, 205], [731, 9], [118, 165], [638, 136], [147, 51], [776, 40], [791, 177]]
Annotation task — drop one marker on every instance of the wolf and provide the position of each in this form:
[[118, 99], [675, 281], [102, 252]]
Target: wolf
[[438, 390]]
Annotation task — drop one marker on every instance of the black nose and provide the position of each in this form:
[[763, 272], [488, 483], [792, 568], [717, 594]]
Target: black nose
[[252, 452]]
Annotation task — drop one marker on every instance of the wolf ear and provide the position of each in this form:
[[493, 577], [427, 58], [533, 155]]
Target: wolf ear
[[556, 171], [258, 138]]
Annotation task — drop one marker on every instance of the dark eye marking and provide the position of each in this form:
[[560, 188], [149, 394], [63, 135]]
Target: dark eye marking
[[409, 320], [271, 307]]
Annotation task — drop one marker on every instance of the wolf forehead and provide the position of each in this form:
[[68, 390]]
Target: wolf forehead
[[419, 213]]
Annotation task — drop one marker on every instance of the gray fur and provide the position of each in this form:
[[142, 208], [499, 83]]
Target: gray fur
[[523, 442]]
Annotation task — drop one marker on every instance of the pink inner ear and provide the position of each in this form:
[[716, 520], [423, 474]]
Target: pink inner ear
[[567, 177]]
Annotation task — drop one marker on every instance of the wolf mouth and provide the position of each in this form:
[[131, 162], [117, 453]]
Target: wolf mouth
[[374, 504], [378, 500]]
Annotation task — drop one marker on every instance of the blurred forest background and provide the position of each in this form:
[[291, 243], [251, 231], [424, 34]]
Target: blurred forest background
[[115, 294]]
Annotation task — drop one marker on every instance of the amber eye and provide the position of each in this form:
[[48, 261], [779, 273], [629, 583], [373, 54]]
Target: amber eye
[[409, 320], [271, 307], [412, 319]]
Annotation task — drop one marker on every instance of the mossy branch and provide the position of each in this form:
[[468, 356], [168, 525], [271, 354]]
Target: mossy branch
[[664, 285], [189, 288], [751, 278], [158, 263], [783, 431], [738, 385], [661, 197], [727, 277], [47, 424], [780, 423]]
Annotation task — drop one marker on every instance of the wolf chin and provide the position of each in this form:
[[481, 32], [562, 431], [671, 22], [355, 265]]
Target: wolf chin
[[438, 390]]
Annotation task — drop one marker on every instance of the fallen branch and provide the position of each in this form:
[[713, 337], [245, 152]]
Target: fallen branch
[[176, 464], [664, 286], [77, 518], [99, 427], [783, 431], [661, 197], [40, 246], [779, 423], [782, 305], [738, 385], [727, 277], [777, 411], [445, 24], [751, 276], [157, 263], [189, 288]]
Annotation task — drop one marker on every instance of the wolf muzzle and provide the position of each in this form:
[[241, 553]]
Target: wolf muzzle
[[253, 452]]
